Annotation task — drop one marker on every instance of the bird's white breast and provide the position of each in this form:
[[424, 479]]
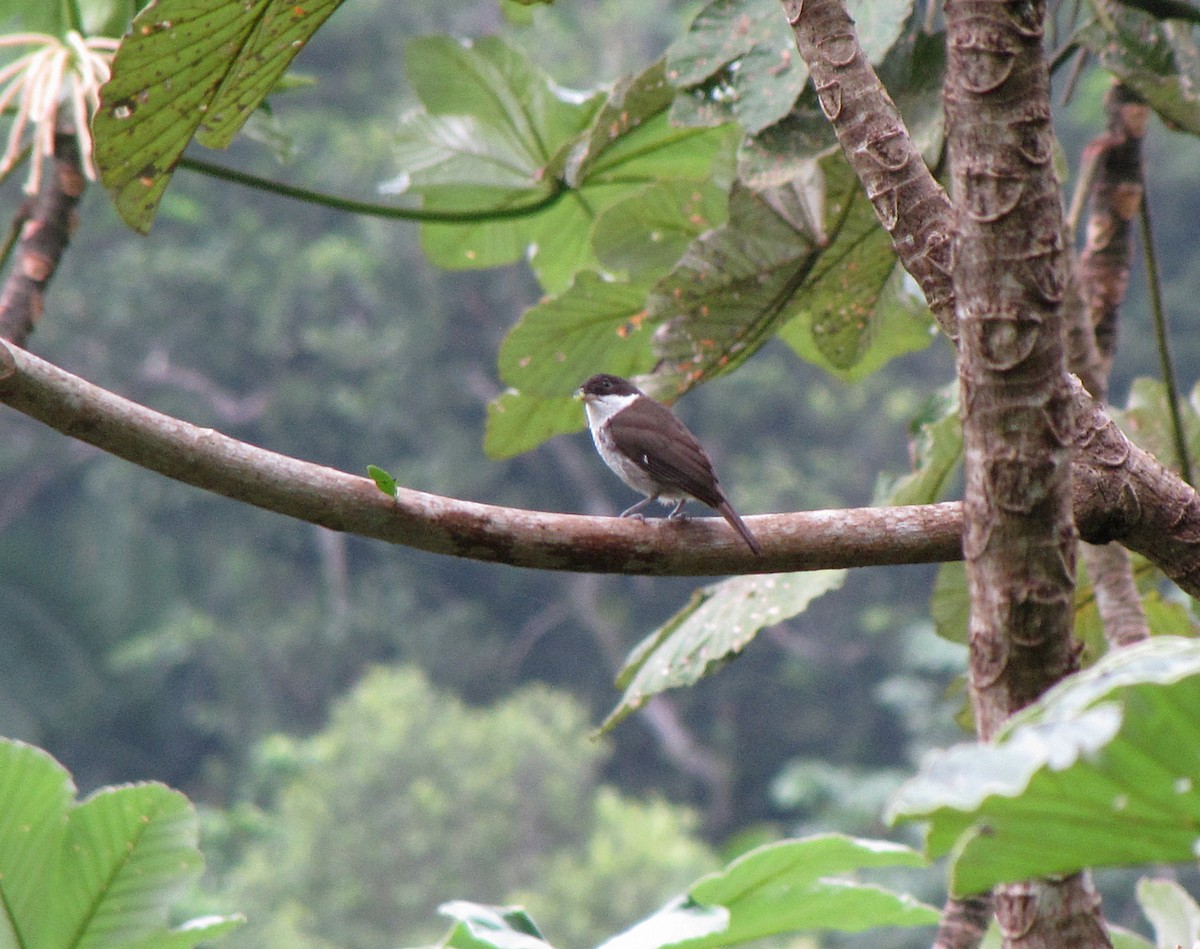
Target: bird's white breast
[[599, 410]]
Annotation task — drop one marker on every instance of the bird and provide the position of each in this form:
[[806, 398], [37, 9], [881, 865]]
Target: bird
[[648, 448]]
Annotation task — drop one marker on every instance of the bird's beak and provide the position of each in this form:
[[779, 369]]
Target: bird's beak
[[579, 396]]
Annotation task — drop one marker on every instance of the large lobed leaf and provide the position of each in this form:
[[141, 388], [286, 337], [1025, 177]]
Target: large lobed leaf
[[97, 874], [717, 623], [1102, 771], [495, 133], [806, 261], [1160, 61], [738, 60], [190, 65], [785, 887]]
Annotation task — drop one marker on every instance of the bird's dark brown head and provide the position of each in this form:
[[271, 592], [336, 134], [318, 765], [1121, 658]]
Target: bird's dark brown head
[[604, 384]]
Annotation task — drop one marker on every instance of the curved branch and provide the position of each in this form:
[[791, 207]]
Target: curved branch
[[1121, 493], [696, 547]]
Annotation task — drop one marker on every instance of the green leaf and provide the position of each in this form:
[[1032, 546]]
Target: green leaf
[[807, 261], [736, 285], [383, 481], [37, 793], [842, 308], [490, 927], [646, 233], [131, 852], [99, 874], [517, 423], [595, 326], [785, 887], [936, 450], [868, 325], [738, 60], [716, 624], [949, 605], [1159, 61], [1173, 913], [104, 17], [22, 16], [1091, 775], [502, 135], [1146, 418], [1122, 938], [203, 929], [189, 65]]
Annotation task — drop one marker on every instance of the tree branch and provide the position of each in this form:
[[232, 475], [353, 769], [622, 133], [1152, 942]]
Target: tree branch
[[1121, 493], [49, 219], [696, 547]]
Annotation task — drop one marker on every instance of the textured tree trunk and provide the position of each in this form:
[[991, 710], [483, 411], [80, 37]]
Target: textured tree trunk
[[1010, 281]]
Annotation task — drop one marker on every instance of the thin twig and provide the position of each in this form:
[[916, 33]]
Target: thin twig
[[308, 195], [1158, 316]]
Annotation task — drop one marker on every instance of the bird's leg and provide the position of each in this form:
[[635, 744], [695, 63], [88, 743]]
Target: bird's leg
[[676, 510], [634, 511]]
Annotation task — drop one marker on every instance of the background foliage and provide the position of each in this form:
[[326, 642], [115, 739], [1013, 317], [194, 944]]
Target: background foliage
[[156, 632]]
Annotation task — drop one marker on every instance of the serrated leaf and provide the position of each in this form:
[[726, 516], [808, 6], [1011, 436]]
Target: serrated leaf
[[842, 305], [596, 325], [876, 325], [1158, 60], [785, 887], [718, 623], [37, 793], [98, 874], [1101, 747], [496, 83], [912, 71], [737, 62], [132, 851], [517, 423], [188, 63]]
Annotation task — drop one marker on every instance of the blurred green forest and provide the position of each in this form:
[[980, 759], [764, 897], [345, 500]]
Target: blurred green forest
[[152, 631]]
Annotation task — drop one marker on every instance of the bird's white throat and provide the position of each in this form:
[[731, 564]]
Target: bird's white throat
[[600, 408]]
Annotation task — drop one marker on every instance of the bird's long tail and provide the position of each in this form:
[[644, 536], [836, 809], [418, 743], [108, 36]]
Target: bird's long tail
[[727, 512]]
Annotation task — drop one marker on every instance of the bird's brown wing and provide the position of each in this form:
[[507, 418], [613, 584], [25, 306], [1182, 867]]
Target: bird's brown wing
[[662, 446]]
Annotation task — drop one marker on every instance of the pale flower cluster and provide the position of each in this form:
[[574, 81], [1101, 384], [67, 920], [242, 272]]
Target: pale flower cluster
[[58, 72]]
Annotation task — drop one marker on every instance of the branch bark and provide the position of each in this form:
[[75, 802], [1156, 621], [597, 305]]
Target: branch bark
[[1010, 284], [1121, 493], [45, 233], [1113, 171], [695, 547]]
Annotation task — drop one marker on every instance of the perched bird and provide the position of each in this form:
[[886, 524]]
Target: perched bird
[[652, 451]]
